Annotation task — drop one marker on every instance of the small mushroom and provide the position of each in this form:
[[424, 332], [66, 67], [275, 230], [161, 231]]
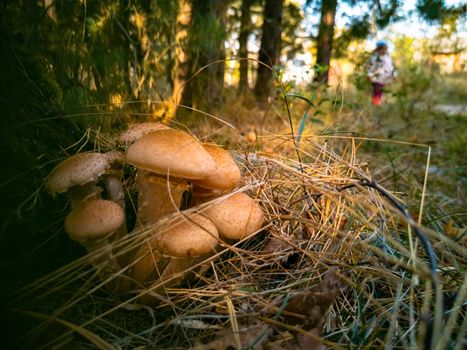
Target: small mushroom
[[78, 175], [164, 159], [192, 237], [225, 177], [183, 241], [236, 217], [92, 224], [227, 174]]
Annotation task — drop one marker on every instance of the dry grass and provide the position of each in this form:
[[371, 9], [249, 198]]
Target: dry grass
[[318, 218]]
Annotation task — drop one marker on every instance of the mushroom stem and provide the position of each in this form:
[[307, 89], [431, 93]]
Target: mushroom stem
[[202, 195], [115, 192], [114, 187], [157, 197], [101, 257], [81, 194], [175, 272]]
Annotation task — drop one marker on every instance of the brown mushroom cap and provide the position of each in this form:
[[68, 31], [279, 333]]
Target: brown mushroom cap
[[136, 131], [236, 217], [115, 158], [79, 169], [171, 151], [185, 238], [189, 237], [93, 220], [227, 174]]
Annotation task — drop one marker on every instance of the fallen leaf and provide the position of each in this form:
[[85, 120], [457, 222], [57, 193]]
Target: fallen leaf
[[253, 337], [307, 309], [277, 249], [452, 231]]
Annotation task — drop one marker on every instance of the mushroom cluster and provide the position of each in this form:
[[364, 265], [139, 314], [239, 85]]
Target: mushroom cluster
[[168, 165]]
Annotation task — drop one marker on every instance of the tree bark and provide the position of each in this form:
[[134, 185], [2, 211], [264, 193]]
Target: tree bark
[[270, 47], [181, 93], [325, 39], [245, 30], [209, 47]]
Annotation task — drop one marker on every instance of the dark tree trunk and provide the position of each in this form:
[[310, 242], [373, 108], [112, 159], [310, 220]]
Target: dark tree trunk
[[209, 47], [270, 47], [181, 92], [245, 30], [325, 38], [217, 73]]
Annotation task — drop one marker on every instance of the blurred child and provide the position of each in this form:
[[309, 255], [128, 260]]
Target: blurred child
[[380, 71]]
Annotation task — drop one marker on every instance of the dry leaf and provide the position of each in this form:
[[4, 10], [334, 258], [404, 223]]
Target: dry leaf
[[309, 343], [278, 249], [452, 231], [253, 337], [308, 308], [301, 341]]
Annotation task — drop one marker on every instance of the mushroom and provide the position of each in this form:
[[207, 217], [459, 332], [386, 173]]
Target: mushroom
[[225, 177], [236, 217], [184, 242], [227, 174], [158, 156], [157, 197], [112, 178], [92, 224], [193, 236], [136, 131], [78, 175]]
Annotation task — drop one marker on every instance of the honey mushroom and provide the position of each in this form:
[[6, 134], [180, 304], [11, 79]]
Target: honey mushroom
[[237, 216], [186, 241], [164, 160], [79, 175], [225, 177], [137, 131], [92, 224]]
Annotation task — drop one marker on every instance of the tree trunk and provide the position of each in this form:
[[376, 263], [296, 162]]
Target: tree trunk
[[208, 43], [325, 38], [270, 47], [181, 93], [245, 30]]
